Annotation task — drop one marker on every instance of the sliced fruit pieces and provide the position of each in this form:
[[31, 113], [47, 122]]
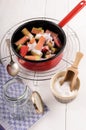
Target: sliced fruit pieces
[[23, 50], [26, 32], [18, 47], [29, 57], [40, 43], [53, 50], [50, 44], [57, 41], [37, 30], [22, 40], [51, 33]]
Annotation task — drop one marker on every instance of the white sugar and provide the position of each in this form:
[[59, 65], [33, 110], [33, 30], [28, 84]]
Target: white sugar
[[64, 90]]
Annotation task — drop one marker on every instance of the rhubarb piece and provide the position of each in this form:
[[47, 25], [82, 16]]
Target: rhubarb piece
[[32, 57], [57, 41], [22, 40], [53, 50], [51, 33], [18, 47], [50, 44], [23, 50], [40, 43], [37, 30], [26, 32]]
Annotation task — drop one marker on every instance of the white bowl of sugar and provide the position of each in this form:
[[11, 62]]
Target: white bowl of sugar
[[62, 92]]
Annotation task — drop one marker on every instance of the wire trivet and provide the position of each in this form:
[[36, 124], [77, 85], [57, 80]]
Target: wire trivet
[[72, 46]]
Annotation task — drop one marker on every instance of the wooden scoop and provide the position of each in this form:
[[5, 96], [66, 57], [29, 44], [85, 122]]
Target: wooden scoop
[[72, 72]]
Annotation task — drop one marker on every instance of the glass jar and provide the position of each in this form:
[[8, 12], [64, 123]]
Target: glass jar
[[17, 97]]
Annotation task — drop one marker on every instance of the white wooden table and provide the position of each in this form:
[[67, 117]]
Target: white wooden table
[[70, 116]]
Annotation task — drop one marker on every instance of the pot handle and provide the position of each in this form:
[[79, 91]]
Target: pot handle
[[72, 13]]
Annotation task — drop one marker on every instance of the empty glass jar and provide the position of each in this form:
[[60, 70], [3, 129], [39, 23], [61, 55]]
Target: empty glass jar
[[17, 97]]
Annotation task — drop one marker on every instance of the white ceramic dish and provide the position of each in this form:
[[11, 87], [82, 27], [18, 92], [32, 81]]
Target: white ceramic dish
[[61, 97]]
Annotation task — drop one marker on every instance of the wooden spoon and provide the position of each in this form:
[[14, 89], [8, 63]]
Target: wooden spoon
[[72, 72]]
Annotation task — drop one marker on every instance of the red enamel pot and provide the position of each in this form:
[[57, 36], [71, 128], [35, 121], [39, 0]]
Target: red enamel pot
[[42, 65]]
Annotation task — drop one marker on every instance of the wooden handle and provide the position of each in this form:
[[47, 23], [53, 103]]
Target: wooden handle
[[79, 55]]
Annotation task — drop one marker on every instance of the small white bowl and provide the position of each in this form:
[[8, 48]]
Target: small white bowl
[[57, 94]]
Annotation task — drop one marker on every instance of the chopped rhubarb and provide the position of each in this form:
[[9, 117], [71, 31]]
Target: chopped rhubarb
[[51, 33], [22, 40], [37, 30], [23, 50], [53, 50], [50, 44], [57, 41], [40, 43], [26, 32], [30, 57]]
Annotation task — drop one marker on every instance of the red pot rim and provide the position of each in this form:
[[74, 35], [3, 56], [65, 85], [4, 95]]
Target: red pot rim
[[44, 60]]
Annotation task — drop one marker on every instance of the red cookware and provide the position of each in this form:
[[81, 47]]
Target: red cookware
[[42, 65]]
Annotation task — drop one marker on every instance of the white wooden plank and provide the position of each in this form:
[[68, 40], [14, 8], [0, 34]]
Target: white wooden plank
[[56, 9], [76, 110], [14, 11]]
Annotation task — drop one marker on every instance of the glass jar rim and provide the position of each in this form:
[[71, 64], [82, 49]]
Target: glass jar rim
[[6, 86]]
